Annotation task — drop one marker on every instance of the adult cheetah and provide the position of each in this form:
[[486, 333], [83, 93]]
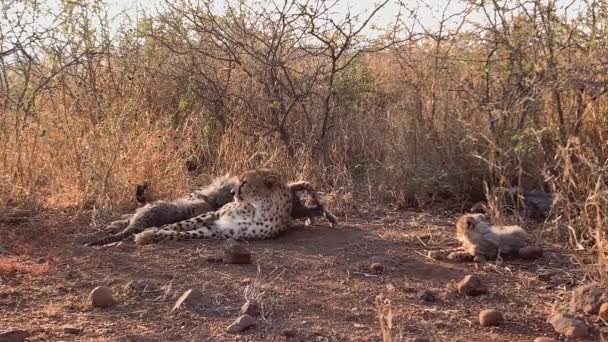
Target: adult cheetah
[[261, 210], [207, 199]]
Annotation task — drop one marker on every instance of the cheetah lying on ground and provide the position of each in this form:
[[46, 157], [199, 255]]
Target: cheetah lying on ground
[[207, 199], [262, 209]]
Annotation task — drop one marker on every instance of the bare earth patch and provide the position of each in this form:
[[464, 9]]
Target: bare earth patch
[[312, 284]]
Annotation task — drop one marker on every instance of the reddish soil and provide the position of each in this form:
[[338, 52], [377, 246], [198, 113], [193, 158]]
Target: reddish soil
[[315, 284]]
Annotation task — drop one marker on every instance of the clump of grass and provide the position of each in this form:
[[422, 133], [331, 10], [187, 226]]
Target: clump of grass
[[385, 315]]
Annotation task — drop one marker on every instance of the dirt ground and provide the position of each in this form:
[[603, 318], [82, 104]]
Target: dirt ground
[[315, 284]]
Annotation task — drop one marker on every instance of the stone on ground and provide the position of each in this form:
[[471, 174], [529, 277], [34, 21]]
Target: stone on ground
[[192, 299], [101, 297], [240, 324], [235, 253], [568, 326], [471, 286], [588, 299], [490, 317], [13, 335]]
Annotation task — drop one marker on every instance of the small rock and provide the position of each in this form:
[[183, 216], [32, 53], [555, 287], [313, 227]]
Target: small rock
[[426, 296], [192, 299], [68, 329], [13, 335], [235, 253], [251, 308], [588, 299], [544, 339], [471, 286], [101, 297], [240, 324], [568, 325], [490, 317], [377, 267], [289, 333], [437, 255], [603, 313], [143, 285], [41, 261], [530, 252]]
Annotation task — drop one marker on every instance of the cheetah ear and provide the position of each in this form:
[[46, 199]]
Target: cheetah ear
[[270, 181]]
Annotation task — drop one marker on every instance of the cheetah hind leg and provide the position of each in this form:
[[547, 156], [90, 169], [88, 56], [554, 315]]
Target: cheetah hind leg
[[155, 235], [196, 222], [130, 230], [194, 228]]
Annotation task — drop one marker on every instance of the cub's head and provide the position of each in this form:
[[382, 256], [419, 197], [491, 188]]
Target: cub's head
[[467, 224], [257, 183]]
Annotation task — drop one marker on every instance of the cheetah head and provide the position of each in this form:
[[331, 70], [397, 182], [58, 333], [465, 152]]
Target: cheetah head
[[467, 224], [256, 184]]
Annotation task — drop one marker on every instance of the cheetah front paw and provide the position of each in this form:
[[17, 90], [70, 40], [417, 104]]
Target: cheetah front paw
[[146, 237]]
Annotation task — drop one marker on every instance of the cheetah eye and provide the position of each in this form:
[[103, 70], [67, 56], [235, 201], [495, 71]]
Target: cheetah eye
[[232, 192], [470, 224]]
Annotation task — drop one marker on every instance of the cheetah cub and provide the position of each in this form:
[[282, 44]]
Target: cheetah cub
[[159, 213], [261, 209], [480, 239]]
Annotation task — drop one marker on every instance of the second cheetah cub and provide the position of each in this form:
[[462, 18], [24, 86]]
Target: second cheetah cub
[[481, 239]]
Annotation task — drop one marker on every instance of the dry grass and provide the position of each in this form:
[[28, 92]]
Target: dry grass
[[385, 315]]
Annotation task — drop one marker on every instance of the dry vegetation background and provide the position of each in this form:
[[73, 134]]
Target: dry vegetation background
[[503, 92]]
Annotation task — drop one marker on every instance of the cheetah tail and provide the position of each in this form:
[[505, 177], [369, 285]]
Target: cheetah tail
[[109, 239]]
